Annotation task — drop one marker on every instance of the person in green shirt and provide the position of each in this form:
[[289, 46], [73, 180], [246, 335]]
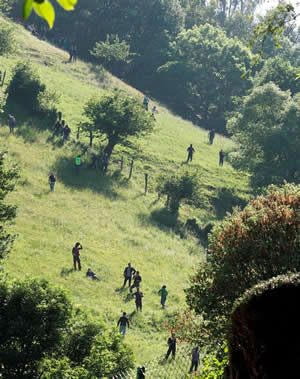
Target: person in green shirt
[[77, 163], [163, 295]]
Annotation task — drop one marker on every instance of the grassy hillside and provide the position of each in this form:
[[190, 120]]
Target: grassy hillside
[[109, 215]]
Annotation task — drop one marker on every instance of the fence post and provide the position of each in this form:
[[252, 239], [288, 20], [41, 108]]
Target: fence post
[[130, 172], [146, 183], [122, 163], [78, 132]]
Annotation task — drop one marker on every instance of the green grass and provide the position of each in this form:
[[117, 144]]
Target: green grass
[[110, 215]]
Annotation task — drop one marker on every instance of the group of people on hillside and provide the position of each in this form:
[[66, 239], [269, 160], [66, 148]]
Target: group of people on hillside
[[77, 263], [61, 128], [153, 110], [191, 152]]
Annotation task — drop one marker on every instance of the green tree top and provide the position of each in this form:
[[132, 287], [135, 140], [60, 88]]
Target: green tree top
[[118, 117]]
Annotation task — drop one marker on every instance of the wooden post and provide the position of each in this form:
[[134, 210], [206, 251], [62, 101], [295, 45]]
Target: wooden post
[[130, 172], [4, 74], [146, 183], [122, 163], [78, 132]]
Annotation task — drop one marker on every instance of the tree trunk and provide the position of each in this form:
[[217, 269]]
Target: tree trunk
[[109, 147]]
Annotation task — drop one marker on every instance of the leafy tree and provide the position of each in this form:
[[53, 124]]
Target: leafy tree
[[279, 71], [255, 244], [33, 316], [178, 187], [7, 40], [207, 66], [7, 212], [109, 356], [118, 117], [267, 131], [113, 51]]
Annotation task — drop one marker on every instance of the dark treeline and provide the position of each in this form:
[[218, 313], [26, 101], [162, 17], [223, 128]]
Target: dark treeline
[[189, 54]]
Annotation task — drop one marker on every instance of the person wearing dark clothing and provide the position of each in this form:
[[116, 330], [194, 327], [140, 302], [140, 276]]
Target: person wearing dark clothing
[[57, 128], [52, 180], [128, 272], [163, 295], [59, 115], [136, 281], [12, 123], [211, 136], [91, 274], [195, 359], [66, 132], [138, 299], [105, 162], [172, 346], [124, 323], [190, 151], [76, 255], [140, 373], [221, 157]]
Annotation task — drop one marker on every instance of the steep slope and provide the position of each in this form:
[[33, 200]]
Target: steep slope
[[109, 215]]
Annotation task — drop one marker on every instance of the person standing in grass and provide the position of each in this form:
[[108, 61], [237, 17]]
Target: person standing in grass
[[76, 255], [12, 123], [124, 323], [138, 299], [190, 151], [163, 295], [172, 346], [77, 163], [52, 181], [128, 272], [195, 359], [211, 136], [221, 157], [136, 281]]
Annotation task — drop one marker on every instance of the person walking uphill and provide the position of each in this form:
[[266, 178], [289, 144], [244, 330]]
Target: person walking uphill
[[138, 299], [163, 293], [190, 151], [172, 346], [52, 181], [128, 272], [76, 255], [12, 123], [136, 281], [124, 323], [195, 359]]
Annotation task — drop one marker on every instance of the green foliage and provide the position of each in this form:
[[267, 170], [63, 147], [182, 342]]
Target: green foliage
[[178, 187], [117, 116], [279, 71], [208, 66], [267, 131], [32, 320], [213, 367], [255, 244], [112, 50], [44, 9], [109, 355], [27, 89], [61, 368], [7, 212], [7, 39]]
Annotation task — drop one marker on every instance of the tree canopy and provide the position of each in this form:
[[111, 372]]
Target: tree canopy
[[255, 244], [266, 129], [117, 117]]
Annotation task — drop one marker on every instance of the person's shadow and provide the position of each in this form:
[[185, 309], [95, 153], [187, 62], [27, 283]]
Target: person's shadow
[[65, 272]]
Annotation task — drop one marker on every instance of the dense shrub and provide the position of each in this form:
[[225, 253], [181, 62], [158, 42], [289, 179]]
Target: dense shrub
[[255, 244], [27, 89], [265, 332], [7, 40]]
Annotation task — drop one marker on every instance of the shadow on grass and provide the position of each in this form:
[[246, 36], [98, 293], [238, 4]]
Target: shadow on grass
[[88, 178], [65, 272], [28, 125]]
